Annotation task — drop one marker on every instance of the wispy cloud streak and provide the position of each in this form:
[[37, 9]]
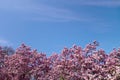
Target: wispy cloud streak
[[105, 3], [5, 43], [31, 10], [102, 3], [41, 11]]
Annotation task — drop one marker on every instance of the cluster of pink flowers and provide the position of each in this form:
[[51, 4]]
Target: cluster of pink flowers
[[75, 63]]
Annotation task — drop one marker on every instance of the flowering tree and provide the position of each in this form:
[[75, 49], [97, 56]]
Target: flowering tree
[[76, 63]]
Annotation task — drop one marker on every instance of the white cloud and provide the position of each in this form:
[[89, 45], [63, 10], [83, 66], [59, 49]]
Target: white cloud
[[5, 43], [105, 3], [30, 10], [102, 3], [40, 11]]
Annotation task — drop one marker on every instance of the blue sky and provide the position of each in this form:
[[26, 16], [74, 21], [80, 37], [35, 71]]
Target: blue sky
[[51, 25]]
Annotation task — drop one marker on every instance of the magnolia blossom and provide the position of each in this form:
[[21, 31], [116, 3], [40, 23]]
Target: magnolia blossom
[[74, 63]]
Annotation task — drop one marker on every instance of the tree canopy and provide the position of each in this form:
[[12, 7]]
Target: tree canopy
[[74, 63]]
